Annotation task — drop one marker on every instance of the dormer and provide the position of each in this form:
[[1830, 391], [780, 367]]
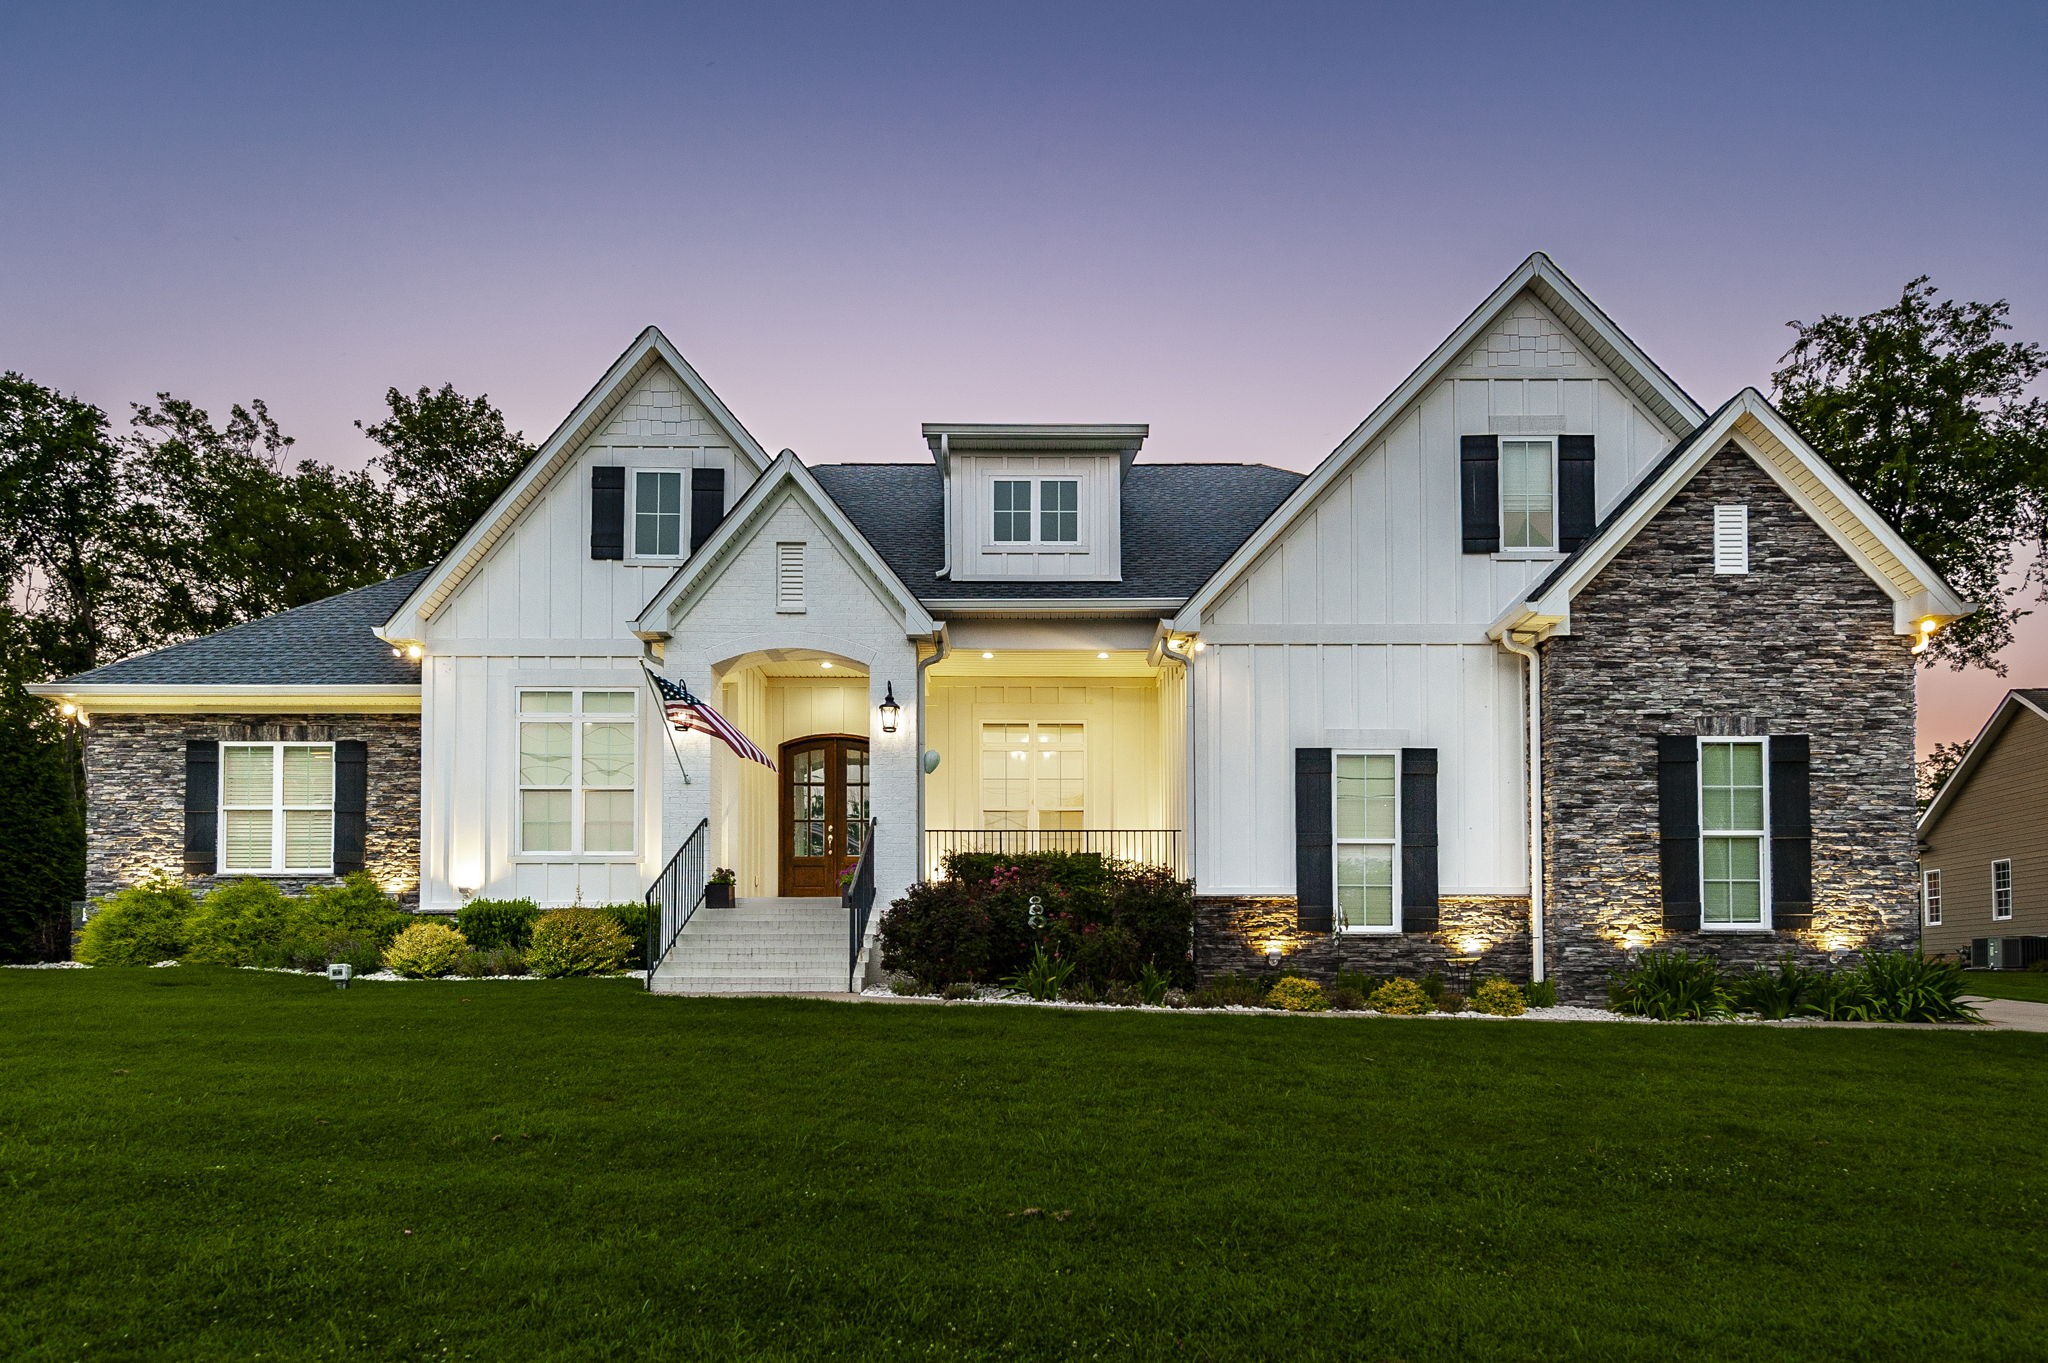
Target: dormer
[[1039, 502]]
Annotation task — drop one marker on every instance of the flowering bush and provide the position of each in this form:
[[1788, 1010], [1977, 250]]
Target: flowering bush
[[1296, 995], [426, 951], [1498, 997], [1402, 997]]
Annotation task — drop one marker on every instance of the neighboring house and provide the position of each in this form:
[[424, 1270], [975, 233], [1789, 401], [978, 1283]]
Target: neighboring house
[[1984, 844], [1318, 697]]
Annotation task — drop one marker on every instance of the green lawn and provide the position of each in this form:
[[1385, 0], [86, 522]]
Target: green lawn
[[219, 1164], [2031, 985]]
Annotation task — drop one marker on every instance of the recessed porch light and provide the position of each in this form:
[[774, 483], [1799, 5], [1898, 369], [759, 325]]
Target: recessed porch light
[[1102, 655], [826, 663], [988, 655]]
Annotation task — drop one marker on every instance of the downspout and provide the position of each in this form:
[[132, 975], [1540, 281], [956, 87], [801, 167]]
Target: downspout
[[942, 646], [1534, 663], [1187, 780]]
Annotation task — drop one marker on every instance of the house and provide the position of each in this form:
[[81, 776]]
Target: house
[[1543, 665], [1984, 844]]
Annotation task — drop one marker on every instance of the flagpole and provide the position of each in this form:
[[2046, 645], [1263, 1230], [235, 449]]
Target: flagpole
[[661, 708]]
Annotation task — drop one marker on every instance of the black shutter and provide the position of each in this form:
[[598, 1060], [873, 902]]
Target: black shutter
[[707, 504], [351, 803], [1418, 840], [1791, 832], [1314, 899], [1479, 491], [607, 512], [1678, 828], [1574, 491], [202, 806]]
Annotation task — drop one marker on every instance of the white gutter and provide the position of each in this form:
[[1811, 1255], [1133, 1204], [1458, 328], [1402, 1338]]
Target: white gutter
[[943, 646], [1187, 684], [1534, 666]]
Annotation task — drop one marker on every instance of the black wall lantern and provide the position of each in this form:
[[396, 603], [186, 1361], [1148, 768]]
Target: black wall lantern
[[890, 709]]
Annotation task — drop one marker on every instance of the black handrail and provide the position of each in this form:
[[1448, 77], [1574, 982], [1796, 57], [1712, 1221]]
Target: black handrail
[[1146, 846], [674, 897], [859, 899]]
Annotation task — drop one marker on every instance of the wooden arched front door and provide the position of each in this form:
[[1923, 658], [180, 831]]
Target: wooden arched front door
[[824, 811]]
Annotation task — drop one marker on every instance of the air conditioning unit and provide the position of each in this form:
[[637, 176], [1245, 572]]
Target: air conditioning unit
[[2007, 953], [1981, 953]]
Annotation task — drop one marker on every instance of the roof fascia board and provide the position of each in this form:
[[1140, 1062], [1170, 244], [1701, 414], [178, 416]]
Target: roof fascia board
[[408, 621], [1134, 606], [2008, 709], [697, 573], [280, 698], [1562, 297]]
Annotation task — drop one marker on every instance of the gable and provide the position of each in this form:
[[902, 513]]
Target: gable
[[650, 409], [2013, 744], [1536, 358]]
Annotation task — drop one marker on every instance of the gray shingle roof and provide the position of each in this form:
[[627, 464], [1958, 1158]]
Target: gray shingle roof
[[322, 643], [1180, 522]]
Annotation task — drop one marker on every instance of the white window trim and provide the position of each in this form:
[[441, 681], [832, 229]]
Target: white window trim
[[1996, 916], [633, 554], [277, 812], [1337, 843], [982, 722], [575, 718], [1763, 837], [1077, 545], [1930, 898], [1500, 508]]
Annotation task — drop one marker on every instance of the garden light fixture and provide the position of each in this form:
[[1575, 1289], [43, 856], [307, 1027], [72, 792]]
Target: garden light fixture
[[340, 972]]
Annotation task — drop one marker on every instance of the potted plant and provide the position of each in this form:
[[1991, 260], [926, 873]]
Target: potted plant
[[718, 889]]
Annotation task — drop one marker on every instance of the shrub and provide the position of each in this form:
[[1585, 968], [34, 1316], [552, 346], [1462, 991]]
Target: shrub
[[1044, 978], [1432, 985], [1357, 981], [1399, 996], [245, 922], [427, 950], [489, 923], [1450, 1001], [1541, 993], [356, 909], [1153, 985], [1671, 985], [1840, 996], [1499, 998], [1344, 1000], [1080, 991], [577, 942], [1296, 995], [1905, 986], [905, 987], [360, 954], [494, 961], [1782, 992], [140, 925], [634, 919], [939, 932], [1231, 991], [1123, 996], [957, 991]]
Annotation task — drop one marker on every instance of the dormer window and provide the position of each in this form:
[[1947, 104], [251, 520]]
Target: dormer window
[[1059, 510]]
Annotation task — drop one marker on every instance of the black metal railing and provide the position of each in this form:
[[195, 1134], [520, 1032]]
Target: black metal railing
[[859, 899], [1149, 846], [674, 896]]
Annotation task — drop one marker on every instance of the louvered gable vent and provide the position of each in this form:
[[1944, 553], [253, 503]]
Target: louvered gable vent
[[789, 577], [1731, 539]]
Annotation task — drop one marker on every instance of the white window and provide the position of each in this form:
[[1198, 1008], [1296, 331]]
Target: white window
[[1034, 776], [1930, 897], [1731, 539], [1059, 510], [789, 578], [657, 513], [277, 808], [1012, 510], [1365, 790], [1732, 833], [576, 772], [2001, 890], [1528, 495]]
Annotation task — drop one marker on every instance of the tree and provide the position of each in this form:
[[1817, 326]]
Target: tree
[[1924, 409], [1934, 769], [446, 458]]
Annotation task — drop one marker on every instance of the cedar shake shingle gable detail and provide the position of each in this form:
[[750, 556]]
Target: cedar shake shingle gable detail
[[323, 643], [1180, 522]]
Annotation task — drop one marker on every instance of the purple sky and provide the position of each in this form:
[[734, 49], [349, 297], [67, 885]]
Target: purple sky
[[1242, 224]]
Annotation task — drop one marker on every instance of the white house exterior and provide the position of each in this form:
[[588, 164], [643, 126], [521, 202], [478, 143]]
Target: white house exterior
[[1317, 697]]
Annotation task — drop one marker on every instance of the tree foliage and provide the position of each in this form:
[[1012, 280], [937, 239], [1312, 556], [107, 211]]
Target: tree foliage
[[446, 458], [1925, 409], [1932, 771]]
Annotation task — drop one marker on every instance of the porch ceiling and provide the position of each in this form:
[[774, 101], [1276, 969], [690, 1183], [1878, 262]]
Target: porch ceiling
[[1045, 663]]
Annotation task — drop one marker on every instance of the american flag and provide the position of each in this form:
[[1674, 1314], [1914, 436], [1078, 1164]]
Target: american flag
[[687, 713]]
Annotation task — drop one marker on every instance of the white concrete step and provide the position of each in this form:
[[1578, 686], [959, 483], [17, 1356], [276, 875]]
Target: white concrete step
[[760, 946]]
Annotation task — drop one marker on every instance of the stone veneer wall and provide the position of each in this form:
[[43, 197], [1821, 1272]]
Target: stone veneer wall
[[135, 793], [1801, 644], [1231, 935]]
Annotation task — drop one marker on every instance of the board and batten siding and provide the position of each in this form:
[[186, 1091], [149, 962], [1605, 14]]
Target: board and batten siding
[[540, 611], [1364, 624], [2001, 814], [970, 524]]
